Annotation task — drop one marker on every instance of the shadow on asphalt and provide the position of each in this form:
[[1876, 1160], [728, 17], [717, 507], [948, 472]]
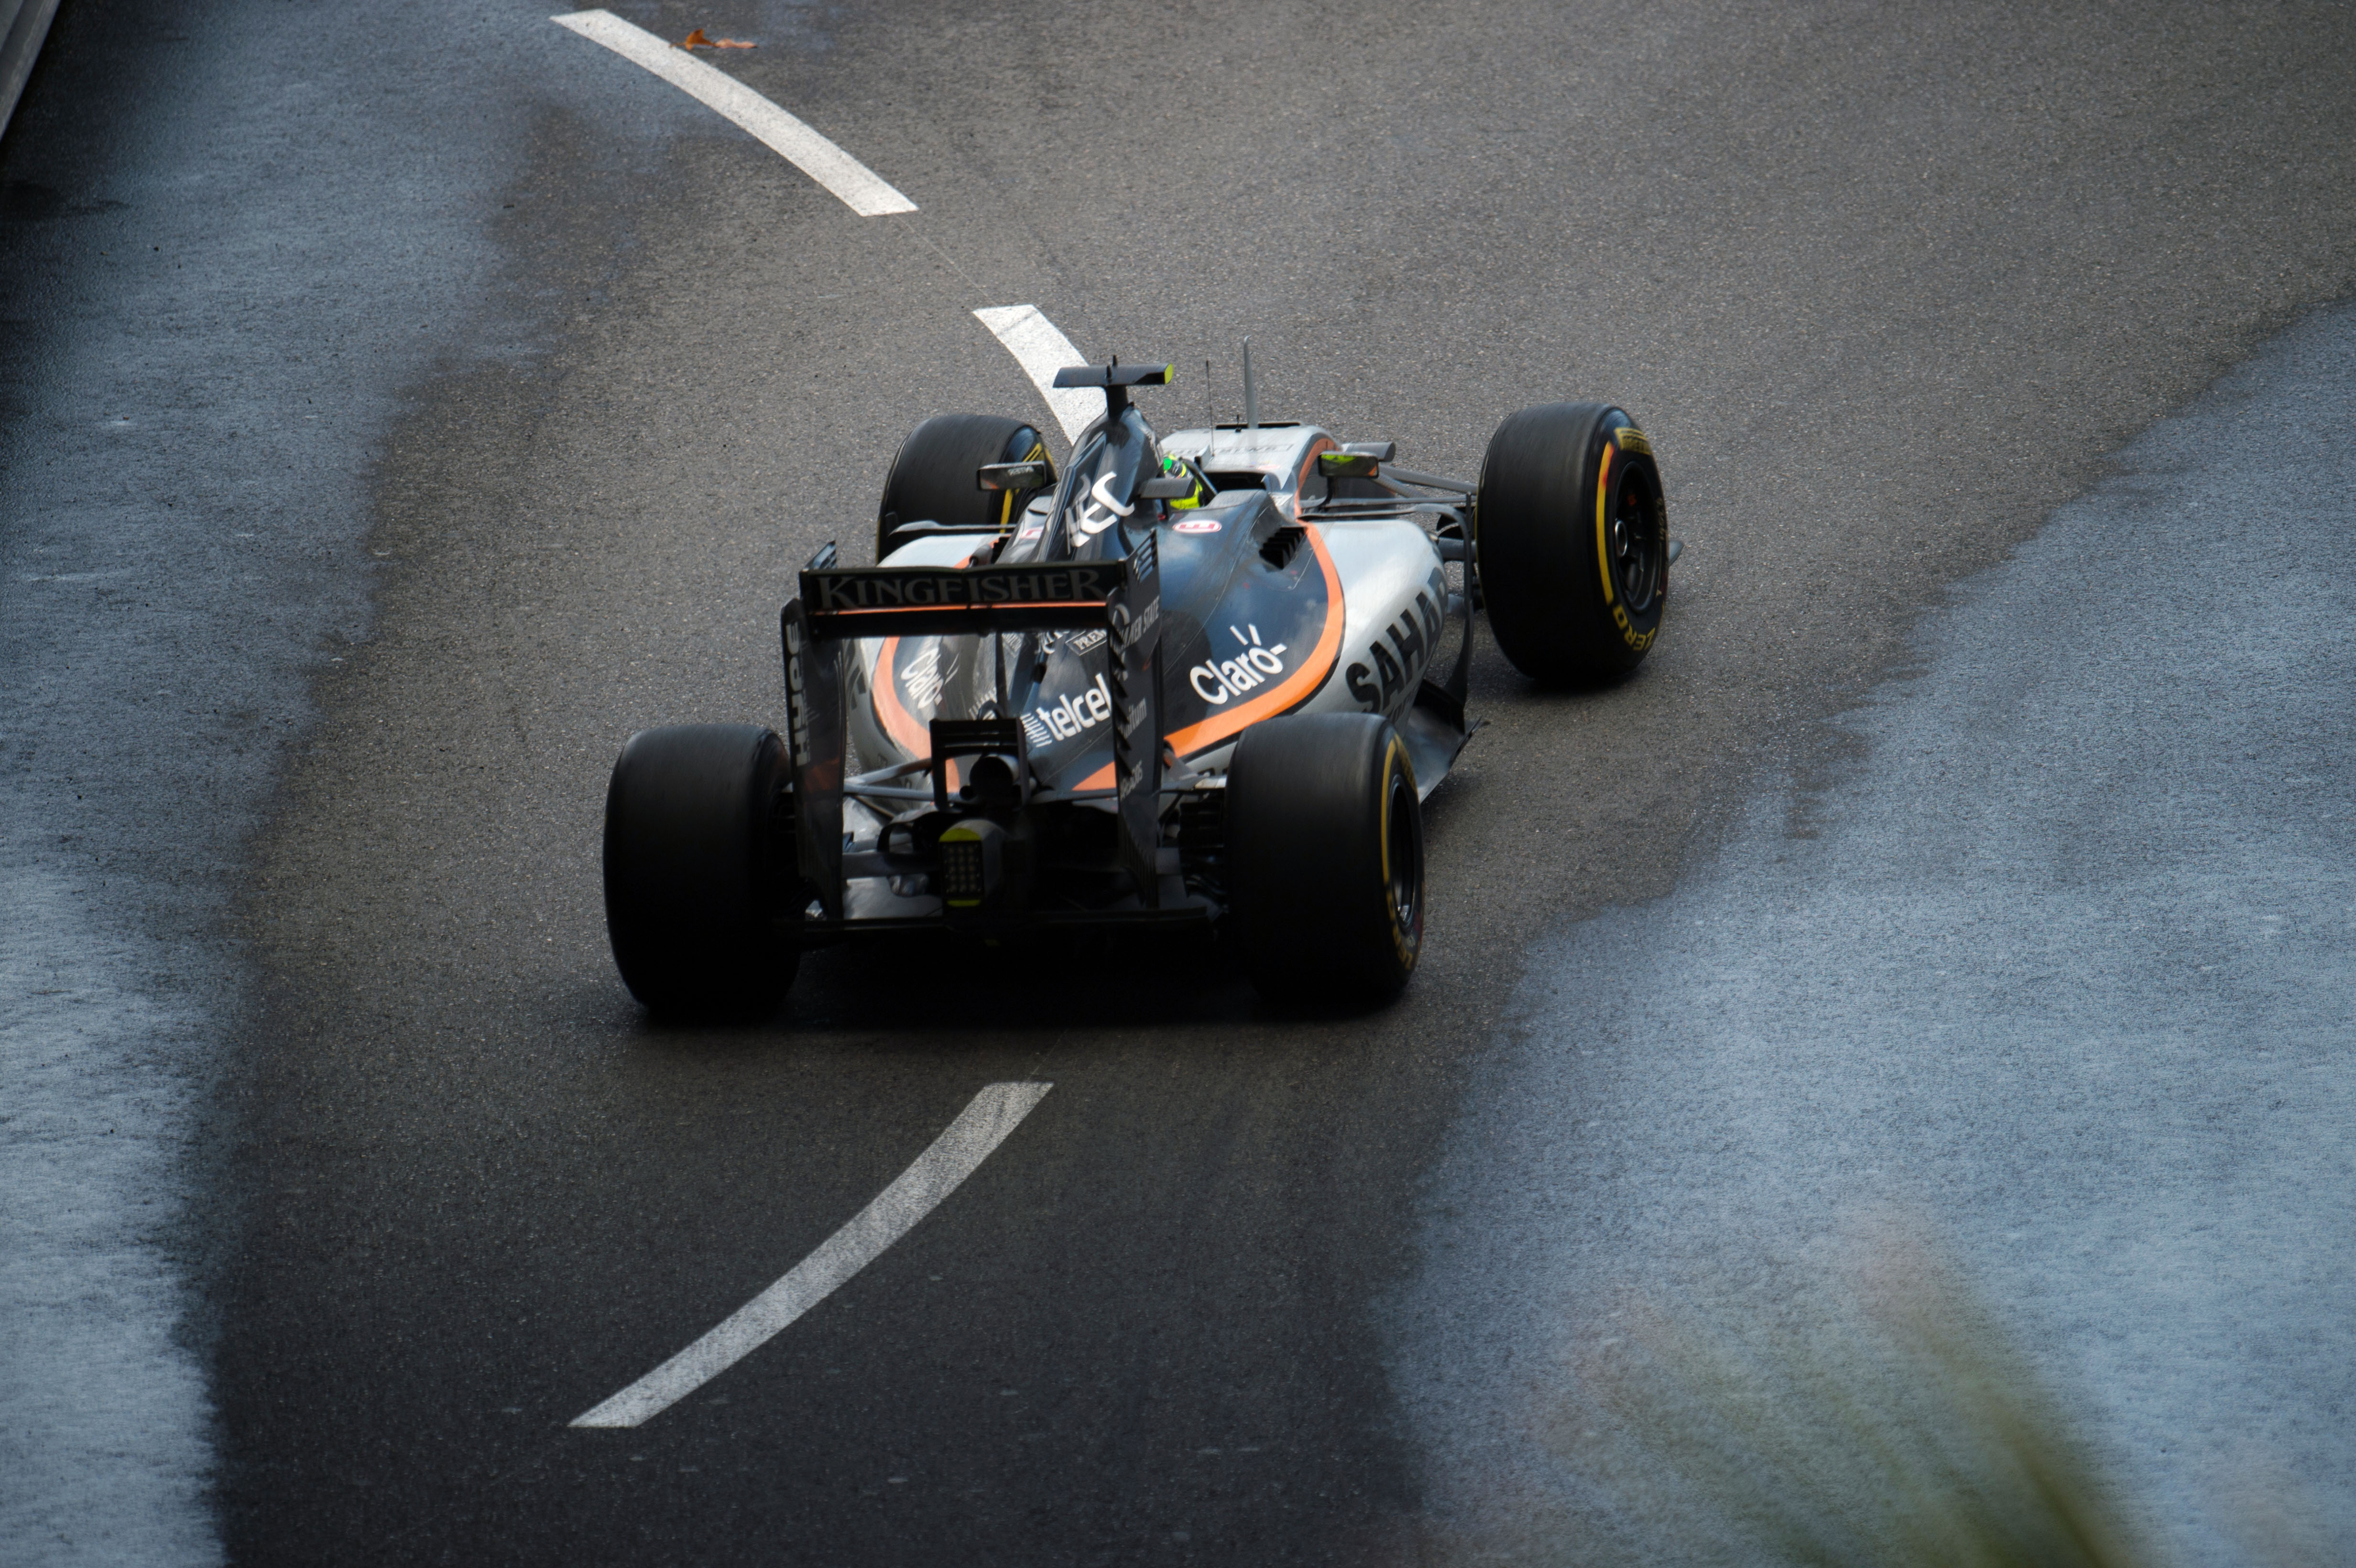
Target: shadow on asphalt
[[937, 988], [939, 985]]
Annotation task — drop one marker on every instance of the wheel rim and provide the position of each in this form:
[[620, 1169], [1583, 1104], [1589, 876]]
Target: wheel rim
[[1403, 854], [1636, 546]]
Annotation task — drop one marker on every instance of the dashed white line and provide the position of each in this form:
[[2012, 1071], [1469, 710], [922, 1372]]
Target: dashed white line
[[861, 189], [1041, 351], [979, 1128]]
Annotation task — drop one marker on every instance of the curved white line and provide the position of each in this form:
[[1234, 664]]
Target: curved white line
[[979, 1128], [1041, 351], [861, 189]]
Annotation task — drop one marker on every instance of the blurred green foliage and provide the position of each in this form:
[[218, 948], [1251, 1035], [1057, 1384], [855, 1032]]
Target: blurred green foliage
[[1890, 1428]]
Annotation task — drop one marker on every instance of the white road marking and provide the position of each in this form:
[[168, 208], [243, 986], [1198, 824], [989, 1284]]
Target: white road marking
[[861, 189], [1041, 351], [979, 1128]]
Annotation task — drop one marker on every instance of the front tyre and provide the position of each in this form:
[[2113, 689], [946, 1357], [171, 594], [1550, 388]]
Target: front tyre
[[698, 862], [933, 474], [1324, 855], [1573, 543]]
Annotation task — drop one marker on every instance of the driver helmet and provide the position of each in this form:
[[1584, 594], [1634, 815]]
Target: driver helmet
[[1176, 467]]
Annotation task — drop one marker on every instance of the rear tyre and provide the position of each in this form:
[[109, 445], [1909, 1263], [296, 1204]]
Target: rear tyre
[[1572, 539], [699, 851], [1325, 854], [933, 474]]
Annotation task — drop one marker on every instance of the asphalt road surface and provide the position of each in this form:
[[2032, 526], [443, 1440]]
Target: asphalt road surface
[[403, 405], [2053, 976]]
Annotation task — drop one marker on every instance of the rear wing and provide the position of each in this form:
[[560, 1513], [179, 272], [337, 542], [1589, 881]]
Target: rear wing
[[952, 600], [838, 605]]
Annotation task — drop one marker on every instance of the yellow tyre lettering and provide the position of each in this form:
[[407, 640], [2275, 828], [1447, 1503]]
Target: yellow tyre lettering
[[1395, 761], [1602, 538], [1627, 438], [1635, 639]]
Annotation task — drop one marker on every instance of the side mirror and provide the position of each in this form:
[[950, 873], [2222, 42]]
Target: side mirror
[[1348, 464], [1018, 478], [1170, 488]]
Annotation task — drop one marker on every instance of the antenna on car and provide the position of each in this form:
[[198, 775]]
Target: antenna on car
[[1251, 396], [1210, 404]]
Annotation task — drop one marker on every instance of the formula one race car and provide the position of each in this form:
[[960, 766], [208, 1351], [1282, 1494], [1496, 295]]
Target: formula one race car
[[1199, 680]]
